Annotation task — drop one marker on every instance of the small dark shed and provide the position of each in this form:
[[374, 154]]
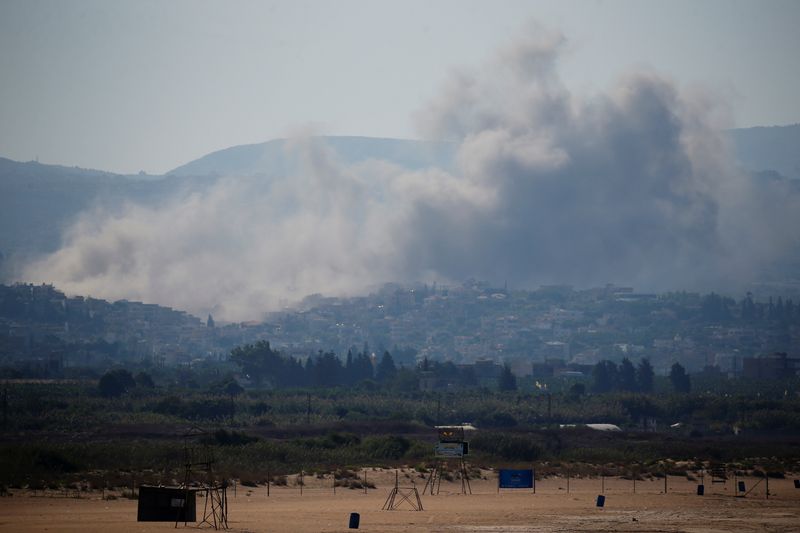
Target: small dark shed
[[166, 504]]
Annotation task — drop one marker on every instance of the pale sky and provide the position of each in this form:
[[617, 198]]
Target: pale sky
[[149, 85]]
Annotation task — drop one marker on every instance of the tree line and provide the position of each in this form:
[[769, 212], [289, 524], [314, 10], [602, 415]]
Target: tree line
[[267, 368], [264, 366], [607, 376]]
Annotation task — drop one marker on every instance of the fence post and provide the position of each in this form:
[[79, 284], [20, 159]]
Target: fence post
[[268, 480], [365, 480]]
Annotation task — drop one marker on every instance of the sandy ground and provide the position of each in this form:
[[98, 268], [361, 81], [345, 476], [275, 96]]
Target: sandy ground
[[552, 508]]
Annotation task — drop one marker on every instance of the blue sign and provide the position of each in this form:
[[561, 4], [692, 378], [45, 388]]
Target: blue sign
[[516, 479]]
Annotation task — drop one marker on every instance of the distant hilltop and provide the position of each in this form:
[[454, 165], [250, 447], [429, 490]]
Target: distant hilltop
[[270, 157], [38, 202], [757, 149], [769, 148]]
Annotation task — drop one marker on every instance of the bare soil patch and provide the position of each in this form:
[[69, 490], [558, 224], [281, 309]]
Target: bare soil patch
[[551, 508]]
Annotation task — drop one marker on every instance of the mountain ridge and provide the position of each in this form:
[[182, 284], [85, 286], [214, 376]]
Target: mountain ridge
[[743, 139], [254, 158], [756, 148]]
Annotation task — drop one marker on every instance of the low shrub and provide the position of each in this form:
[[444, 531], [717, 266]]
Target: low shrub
[[509, 446], [230, 438], [386, 447], [279, 481]]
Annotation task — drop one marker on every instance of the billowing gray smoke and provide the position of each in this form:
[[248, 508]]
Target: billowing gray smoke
[[634, 186]]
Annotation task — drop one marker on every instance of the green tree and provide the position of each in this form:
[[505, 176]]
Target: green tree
[[143, 380], [508, 381], [716, 308], [115, 383], [405, 380], [576, 390], [680, 379], [386, 368], [359, 369], [604, 377], [627, 376], [644, 376], [232, 388], [468, 377], [349, 371], [327, 370], [748, 311], [258, 361]]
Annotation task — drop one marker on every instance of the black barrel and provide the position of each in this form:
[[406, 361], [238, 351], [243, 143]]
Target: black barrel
[[355, 518], [701, 489], [601, 500]]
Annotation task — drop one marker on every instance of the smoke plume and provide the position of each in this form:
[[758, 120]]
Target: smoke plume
[[634, 185]]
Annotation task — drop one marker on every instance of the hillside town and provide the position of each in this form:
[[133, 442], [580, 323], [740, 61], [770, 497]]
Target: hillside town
[[548, 332]]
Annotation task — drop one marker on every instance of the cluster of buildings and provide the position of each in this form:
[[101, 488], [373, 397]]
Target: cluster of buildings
[[552, 331], [44, 331]]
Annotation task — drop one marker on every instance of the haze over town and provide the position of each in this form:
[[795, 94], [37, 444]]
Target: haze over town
[[550, 158]]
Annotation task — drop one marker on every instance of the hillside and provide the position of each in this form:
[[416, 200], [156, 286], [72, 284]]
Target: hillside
[[39, 202], [769, 148], [271, 157]]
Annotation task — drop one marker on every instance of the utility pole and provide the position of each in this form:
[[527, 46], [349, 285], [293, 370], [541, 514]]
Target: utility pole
[[308, 408]]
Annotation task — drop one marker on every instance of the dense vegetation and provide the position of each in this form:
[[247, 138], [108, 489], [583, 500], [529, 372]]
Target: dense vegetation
[[56, 432]]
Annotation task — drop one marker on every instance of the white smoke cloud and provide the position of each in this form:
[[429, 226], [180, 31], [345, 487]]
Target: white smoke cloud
[[633, 186], [246, 245]]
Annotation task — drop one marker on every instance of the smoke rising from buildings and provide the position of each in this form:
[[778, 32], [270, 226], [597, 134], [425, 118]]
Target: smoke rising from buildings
[[631, 186]]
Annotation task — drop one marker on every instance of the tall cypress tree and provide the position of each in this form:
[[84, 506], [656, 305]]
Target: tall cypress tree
[[508, 381], [644, 376], [627, 376], [680, 379], [604, 377], [386, 368]]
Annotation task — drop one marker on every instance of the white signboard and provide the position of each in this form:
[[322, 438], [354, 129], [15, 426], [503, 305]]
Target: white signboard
[[449, 449]]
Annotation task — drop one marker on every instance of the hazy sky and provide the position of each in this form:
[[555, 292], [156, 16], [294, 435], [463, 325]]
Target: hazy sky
[[149, 85]]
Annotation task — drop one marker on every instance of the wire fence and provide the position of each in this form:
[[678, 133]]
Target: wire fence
[[624, 480]]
